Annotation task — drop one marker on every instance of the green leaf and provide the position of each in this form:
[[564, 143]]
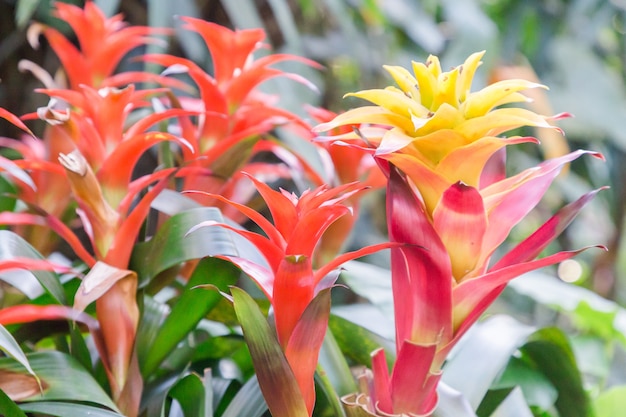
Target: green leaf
[[357, 343], [62, 378], [537, 389], [190, 393], [597, 322], [192, 305], [24, 11], [276, 379], [13, 246], [8, 408], [62, 409], [483, 353], [7, 190], [611, 402], [10, 346], [334, 366], [248, 401], [171, 246], [78, 347], [550, 351]]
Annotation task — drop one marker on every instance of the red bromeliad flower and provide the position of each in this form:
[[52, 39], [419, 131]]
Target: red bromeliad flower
[[232, 114], [91, 151], [103, 43], [451, 206], [289, 280]]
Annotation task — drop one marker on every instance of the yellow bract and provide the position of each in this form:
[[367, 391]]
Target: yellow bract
[[429, 101]]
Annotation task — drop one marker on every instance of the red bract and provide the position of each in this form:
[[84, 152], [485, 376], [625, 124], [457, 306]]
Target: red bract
[[103, 43], [233, 115], [289, 280]]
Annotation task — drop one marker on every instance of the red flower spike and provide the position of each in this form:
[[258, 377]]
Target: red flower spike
[[103, 42], [461, 221], [421, 270], [292, 285]]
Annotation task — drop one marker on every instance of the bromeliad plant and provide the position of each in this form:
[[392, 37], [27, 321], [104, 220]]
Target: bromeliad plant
[[451, 205], [147, 320]]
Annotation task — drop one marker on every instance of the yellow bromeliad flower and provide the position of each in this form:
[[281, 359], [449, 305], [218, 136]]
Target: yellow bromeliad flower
[[433, 118], [450, 205]]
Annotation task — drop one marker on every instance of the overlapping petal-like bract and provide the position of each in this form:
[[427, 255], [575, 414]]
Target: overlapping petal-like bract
[[451, 206], [103, 42], [288, 279], [234, 115]]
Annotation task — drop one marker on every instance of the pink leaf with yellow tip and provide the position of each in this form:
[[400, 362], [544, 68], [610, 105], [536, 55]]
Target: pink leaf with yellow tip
[[461, 221], [421, 270]]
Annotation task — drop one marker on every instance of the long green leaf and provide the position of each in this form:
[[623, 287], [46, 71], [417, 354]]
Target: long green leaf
[[190, 308], [8, 408], [276, 379], [62, 378], [7, 190], [171, 245], [550, 351], [248, 401], [537, 389], [62, 409], [335, 367], [357, 343], [10, 346], [13, 246], [191, 396]]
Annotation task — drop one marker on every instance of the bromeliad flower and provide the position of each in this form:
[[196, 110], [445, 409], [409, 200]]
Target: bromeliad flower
[[233, 115], [103, 43], [451, 206], [289, 280]]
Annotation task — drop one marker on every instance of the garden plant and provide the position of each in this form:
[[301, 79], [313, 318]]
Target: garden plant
[[175, 242]]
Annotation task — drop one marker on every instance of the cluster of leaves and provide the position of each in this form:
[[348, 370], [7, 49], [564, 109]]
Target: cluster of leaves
[[190, 350]]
